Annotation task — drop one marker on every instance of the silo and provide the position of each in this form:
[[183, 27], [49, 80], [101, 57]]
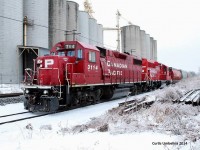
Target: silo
[[57, 21], [11, 35], [148, 46], [83, 27], [155, 49], [72, 20], [138, 44], [130, 36], [37, 30], [93, 31], [100, 35], [151, 48], [128, 39], [143, 43]]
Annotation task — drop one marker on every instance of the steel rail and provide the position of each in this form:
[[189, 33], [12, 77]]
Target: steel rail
[[16, 120], [10, 95], [14, 114]]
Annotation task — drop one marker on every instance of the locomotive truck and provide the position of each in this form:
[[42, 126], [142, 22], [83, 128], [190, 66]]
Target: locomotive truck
[[75, 73]]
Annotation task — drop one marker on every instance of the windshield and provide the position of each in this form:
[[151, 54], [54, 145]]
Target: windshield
[[70, 53], [66, 53]]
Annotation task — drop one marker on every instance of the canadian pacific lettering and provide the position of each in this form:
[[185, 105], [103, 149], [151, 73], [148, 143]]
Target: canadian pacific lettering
[[116, 65]]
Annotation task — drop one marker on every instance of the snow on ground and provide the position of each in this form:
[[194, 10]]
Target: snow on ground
[[10, 88], [163, 126]]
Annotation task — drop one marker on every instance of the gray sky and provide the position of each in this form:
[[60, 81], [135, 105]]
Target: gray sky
[[175, 24]]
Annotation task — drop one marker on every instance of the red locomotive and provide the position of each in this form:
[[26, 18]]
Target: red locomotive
[[76, 73]]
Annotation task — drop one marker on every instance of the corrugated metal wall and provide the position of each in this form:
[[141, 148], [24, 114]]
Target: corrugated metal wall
[[148, 49], [57, 21], [143, 43], [130, 36], [72, 19], [137, 42], [37, 12], [83, 27], [100, 35], [11, 29], [93, 31]]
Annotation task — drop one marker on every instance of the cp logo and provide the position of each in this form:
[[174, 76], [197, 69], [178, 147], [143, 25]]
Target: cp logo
[[48, 62]]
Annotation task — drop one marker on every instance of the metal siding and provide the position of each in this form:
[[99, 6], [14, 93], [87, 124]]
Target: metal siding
[[148, 46], [37, 11], [10, 37], [57, 21], [83, 27], [128, 42], [142, 43], [138, 46], [72, 18], [131, 40], [43, 51], [100, 35], [151, 49], [93, 31], [155, 50]]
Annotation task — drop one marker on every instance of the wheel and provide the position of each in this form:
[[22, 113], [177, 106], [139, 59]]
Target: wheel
[[108, 93]]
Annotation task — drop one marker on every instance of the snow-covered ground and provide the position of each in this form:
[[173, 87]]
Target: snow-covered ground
[[10, 88], [163, 126]]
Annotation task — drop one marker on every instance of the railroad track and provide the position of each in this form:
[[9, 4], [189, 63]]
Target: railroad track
[[14, 114], [10, 118], [19, 117], [5, 119], [136, 104], [10, 95]]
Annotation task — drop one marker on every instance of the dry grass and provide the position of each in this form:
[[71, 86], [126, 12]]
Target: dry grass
[[163, 116]]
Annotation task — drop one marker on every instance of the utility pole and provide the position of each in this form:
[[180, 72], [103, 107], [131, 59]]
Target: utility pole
[[118, 31], [118, 15]]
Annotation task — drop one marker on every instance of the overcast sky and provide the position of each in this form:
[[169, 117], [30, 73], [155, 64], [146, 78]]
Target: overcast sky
[[175, 24]]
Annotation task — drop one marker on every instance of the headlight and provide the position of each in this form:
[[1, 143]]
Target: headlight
[[26, 91], [39, 61], [45, 92]]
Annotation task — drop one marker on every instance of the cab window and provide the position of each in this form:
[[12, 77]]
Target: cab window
[[61, 53], [71, 53], [92, 56], [79, 54]]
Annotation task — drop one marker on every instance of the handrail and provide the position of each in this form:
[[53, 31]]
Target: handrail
[[71, 76], [29, 73]]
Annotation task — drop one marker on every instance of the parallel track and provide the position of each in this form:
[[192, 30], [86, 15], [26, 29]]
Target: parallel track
[[14, 114], [36, 116], [116, 96], [10, 95], [26, 118]]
